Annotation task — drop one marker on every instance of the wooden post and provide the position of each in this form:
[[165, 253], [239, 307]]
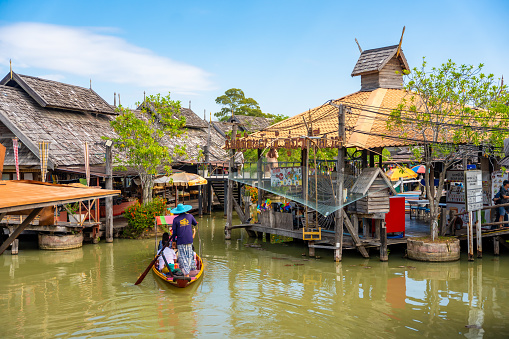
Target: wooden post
[[380, 160], [200, 201], [496, 246], [210, 198], [383, 241], [20, 229], [109, 200], [311, 249], [338, 227], [225, 198], [229, 211], [259, 170], [478, 234], [355, 223], [364, 158], [470, 237], [267, 237], [371, 159]]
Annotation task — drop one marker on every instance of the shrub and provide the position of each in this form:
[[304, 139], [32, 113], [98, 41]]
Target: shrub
[[140, 217]]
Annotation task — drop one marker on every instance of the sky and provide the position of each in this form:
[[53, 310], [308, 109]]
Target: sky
[[287, 55]]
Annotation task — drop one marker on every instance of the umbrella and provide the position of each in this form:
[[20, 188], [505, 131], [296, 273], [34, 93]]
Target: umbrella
[[419, 169], [187, 179], [401, 172]]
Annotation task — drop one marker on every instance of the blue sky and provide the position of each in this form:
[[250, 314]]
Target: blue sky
[[287, 55]]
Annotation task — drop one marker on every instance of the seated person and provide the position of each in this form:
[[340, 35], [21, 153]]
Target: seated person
[[165, 234], [167, 254]]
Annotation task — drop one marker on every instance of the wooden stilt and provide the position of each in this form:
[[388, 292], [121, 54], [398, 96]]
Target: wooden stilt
[[20, 229], [267, 237], [338, 227], [355, 223], [383, 241], [496, 246], [470, 237], [355, 238], [229, 201], [478, 234], [311, 249], [14, 247], [200, 201], [109, 200]]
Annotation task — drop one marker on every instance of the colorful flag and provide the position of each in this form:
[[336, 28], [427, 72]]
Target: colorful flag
[[16, 158], [87, 164], [43, 157]]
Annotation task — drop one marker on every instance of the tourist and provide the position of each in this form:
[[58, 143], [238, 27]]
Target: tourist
[[165, 234], [167, 254], [184, 231], [504, 199]]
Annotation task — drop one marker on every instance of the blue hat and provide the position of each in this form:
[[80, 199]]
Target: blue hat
[[181, 209]]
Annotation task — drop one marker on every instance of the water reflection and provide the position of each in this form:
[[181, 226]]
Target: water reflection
[[251, 287]]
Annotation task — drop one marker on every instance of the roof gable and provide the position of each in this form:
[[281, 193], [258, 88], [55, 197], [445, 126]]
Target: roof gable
[[53, 94], [373, 60]]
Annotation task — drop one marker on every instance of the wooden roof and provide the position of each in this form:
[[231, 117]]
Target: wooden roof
[[250, 123], [24, 194], [192, 119], [54, 94], [373, 60]]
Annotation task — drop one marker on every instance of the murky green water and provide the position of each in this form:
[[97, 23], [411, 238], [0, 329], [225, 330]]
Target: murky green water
[[270, 291]]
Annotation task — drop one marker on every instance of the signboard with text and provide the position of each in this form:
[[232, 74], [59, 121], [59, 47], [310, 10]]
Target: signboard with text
[[473, 190]]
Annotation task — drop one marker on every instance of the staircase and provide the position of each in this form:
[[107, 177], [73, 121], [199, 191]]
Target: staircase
[[218, 187]]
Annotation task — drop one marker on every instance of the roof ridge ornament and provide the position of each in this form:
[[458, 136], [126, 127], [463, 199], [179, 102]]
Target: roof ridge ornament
[[400, 41]]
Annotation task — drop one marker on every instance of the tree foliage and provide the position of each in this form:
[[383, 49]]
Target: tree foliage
[[234, 100], [142, 138], [448, 114]]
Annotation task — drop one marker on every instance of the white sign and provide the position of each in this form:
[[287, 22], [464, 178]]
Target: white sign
[[473, 190]]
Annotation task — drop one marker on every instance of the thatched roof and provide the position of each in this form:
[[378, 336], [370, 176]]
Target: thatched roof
[[373, 60], [53, 94]]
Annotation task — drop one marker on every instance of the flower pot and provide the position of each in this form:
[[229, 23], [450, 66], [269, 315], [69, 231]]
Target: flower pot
[[77, 218]]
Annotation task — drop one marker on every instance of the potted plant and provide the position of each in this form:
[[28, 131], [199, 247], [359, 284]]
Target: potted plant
[[74, 215]]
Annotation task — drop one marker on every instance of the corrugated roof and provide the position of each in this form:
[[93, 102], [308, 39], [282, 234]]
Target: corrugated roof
[[373, 60], [19, 195]]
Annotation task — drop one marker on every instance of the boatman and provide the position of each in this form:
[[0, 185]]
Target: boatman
[[184, 231]]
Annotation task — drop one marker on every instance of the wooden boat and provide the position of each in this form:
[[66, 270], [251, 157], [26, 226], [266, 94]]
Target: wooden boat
[[180, 281]]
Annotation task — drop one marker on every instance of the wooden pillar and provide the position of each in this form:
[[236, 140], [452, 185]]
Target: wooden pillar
[[496, 246], [210, 198], [259, 170], [229, 211], [109, 200], [338, 226], [355, 223], [371, 159], [478, 234], [200, 201], [364, 158], [380, 160], [267, 237], [383, 241], [311, 249], [20, 229], [225, 198], [470, 237]]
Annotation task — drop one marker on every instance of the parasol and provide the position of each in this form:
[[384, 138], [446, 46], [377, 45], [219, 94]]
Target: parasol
[[400, 172]]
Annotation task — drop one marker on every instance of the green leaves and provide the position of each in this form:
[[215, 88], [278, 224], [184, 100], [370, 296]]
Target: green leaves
[[143, 137]]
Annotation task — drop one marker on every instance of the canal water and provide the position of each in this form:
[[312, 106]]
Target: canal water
[[251, 288]]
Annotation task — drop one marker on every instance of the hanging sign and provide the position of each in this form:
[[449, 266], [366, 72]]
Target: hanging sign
[[285, 176], [473, 190]]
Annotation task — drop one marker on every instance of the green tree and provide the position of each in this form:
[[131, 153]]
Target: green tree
[[141, 138], [452, 110]]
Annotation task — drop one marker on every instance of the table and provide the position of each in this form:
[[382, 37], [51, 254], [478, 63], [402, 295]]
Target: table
[[417, 207]]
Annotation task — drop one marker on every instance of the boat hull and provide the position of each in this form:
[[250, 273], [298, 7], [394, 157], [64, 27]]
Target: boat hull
[[180, 282]]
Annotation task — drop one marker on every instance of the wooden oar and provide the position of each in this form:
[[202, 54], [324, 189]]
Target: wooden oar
[[144, 274]]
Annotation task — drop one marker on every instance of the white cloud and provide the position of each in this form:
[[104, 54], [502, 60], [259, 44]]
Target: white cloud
[[86, 52]]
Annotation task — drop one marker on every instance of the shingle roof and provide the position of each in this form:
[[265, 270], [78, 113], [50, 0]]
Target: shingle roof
[[373, 60], [252, 124], [53, 94], [192, 119], [68, 131]]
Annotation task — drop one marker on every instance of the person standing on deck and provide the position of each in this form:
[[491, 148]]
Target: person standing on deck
[[504, 199], [184, 231]]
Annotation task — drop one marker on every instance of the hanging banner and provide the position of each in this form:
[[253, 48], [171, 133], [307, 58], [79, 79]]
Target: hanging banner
[[286, 176], [16, 157], [87, 164], [43, 157]]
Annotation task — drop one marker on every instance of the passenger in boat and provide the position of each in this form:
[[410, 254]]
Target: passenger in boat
[[165, 234], [168, 254], [184, 232]]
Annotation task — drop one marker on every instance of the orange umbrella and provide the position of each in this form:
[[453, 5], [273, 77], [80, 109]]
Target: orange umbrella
[[400, 172]]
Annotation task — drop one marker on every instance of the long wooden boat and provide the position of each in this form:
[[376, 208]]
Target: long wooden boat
[[180, 281]]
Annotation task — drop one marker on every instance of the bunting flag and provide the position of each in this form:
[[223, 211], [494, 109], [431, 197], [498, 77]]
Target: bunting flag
[[16, 157], [87, 164], [43, 157]]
